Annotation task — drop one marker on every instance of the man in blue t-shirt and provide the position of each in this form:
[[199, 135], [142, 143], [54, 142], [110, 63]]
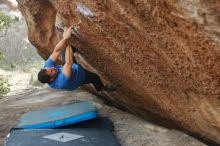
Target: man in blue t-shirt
[[71, 75]]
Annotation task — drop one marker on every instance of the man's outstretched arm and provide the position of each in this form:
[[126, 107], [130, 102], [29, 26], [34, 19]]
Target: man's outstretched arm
[[61, 45], [67, 68]]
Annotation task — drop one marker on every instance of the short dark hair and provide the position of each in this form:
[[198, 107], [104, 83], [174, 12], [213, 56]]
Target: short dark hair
[[43, 77]]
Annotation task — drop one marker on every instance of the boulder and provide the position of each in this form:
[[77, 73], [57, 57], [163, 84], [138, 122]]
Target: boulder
[[162, 54]]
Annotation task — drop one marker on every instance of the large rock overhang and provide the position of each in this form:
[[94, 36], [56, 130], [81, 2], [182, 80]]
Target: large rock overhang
[[163, 58]]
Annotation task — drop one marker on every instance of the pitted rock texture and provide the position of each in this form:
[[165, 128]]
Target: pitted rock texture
[[163, 57]]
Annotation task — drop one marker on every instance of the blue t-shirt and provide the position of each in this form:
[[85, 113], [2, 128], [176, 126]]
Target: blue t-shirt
[[64, 82]]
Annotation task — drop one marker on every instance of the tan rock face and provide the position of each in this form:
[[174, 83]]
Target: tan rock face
[[163, 54]]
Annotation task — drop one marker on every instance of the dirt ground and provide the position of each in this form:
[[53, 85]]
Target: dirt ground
[[129, 129]]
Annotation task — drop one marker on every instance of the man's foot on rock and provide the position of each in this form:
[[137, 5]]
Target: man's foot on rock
[[110, 88]]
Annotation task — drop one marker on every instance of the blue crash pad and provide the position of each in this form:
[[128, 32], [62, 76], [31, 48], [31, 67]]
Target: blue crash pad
[[58, 116], [95, 132]]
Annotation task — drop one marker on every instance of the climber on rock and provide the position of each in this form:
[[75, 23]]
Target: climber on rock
[[71, 75]]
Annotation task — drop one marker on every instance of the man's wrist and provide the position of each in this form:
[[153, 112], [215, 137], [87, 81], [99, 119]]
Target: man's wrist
[[65, 38]]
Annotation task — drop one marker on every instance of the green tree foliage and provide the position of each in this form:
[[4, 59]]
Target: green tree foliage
[[4, 85], [5, 22], [1, 55]]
